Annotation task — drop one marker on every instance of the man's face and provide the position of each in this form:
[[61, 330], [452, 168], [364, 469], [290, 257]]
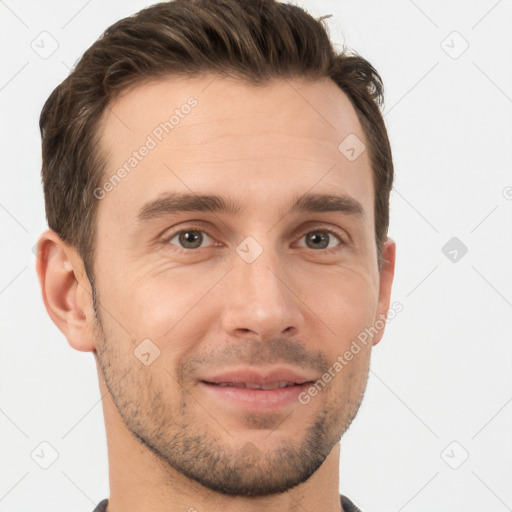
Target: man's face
[[268, 294]]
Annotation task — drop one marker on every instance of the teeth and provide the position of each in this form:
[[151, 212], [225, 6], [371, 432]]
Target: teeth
[[274, 385], [248, 385]]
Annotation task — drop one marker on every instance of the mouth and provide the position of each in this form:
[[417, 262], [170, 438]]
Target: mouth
[[254, 385], [256, 391]]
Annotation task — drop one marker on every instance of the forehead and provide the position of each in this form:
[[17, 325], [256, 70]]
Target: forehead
[[220, 103], [210, 133]]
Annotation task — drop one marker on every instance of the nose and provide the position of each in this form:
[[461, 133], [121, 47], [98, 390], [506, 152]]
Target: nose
[[260, 300]]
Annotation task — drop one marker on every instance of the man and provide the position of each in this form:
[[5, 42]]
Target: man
[[217, 184]]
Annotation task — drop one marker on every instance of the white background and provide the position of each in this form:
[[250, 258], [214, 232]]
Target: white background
[[441, 373]]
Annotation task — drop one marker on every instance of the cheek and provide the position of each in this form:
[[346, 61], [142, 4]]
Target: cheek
[[177, 307], [166, 308], [343, 300]]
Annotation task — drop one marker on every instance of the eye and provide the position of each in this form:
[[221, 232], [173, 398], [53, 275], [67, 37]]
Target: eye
[[322, 239], [189, 238]]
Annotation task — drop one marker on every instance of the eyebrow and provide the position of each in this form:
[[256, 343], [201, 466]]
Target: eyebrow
[[184, 202]]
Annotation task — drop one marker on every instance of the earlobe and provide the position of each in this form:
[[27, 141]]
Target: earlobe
[[386, 276], [60, 272]]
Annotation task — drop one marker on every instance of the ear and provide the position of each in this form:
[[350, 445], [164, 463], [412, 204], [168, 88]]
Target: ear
[[66, 290], [386, 280]]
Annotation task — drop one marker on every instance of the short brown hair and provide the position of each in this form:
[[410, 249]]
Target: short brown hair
[[253, 40]]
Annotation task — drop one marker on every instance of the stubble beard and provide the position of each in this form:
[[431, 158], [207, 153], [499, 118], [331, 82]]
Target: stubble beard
[[186, 444]]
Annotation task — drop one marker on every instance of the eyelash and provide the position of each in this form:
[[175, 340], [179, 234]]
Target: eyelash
[[182, 250]]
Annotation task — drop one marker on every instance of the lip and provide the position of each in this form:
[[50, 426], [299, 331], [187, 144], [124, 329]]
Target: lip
[[251, 376], [257, 400]]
